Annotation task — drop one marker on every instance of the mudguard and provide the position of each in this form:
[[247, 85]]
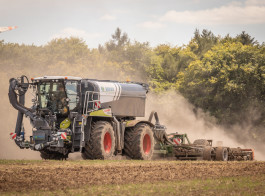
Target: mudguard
[[132, 123]]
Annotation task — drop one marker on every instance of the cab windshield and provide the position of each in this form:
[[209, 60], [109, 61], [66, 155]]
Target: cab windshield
[[53, 97]]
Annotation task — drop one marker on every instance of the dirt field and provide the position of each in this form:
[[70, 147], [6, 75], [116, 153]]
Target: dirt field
[[51, 176]]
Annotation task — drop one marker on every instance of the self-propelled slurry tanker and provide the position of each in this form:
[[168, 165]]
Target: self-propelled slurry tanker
[[94, 117]]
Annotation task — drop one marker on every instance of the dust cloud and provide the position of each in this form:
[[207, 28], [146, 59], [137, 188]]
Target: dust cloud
[[178, 115], [8, 115]]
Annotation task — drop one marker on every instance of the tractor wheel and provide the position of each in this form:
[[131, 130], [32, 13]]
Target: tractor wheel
[[221, 154], [139, 142], [49, 155], [201, 142], [207, 153], [101, 144]]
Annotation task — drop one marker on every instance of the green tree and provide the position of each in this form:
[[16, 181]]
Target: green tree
[[228, 82], [118, 41], [246, 39], [69, 50], [202, 42], [166, 63]]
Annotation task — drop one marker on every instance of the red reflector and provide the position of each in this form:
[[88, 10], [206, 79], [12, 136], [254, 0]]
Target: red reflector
[[64, 136], [13, 135]]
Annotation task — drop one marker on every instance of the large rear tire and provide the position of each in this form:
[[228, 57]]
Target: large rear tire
[[139, 142], [101, 144], [221, 154]]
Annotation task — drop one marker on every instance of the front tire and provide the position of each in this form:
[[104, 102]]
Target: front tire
[[101, 144], [139, 142], [50, 155]]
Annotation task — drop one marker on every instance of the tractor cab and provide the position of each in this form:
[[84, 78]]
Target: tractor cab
[[56, 95]]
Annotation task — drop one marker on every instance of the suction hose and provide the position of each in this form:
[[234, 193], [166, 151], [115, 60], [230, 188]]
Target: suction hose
[[38, 122]]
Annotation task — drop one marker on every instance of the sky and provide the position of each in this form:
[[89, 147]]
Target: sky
[[155, 21]]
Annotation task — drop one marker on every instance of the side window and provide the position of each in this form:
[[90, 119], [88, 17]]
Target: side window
[[71, 91], [44, 94]]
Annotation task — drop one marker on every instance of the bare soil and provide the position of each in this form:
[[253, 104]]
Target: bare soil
[[21, 176]]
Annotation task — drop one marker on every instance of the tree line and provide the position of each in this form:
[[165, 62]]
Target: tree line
[[224, 76]]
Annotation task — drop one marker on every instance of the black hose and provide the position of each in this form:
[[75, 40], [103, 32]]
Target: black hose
[[20, 116], [13, 99], [161, 136], [37, 121]]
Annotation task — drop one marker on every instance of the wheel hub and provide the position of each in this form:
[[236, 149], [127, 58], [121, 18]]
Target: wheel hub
[[107, 142], [147, 144]]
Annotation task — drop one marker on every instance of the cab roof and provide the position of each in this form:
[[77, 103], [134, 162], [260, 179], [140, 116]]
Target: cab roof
[[57, 78]]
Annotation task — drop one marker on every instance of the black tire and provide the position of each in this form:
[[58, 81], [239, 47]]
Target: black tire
[[201, 142], [49, 155], [101, 144], [207, 153], [139, 142], [221, 154], [252, 155]]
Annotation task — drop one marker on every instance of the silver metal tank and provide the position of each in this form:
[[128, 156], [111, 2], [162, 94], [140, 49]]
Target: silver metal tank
[[124, 98]]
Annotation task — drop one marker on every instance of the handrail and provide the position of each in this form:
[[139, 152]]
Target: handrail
[[87, 101]]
